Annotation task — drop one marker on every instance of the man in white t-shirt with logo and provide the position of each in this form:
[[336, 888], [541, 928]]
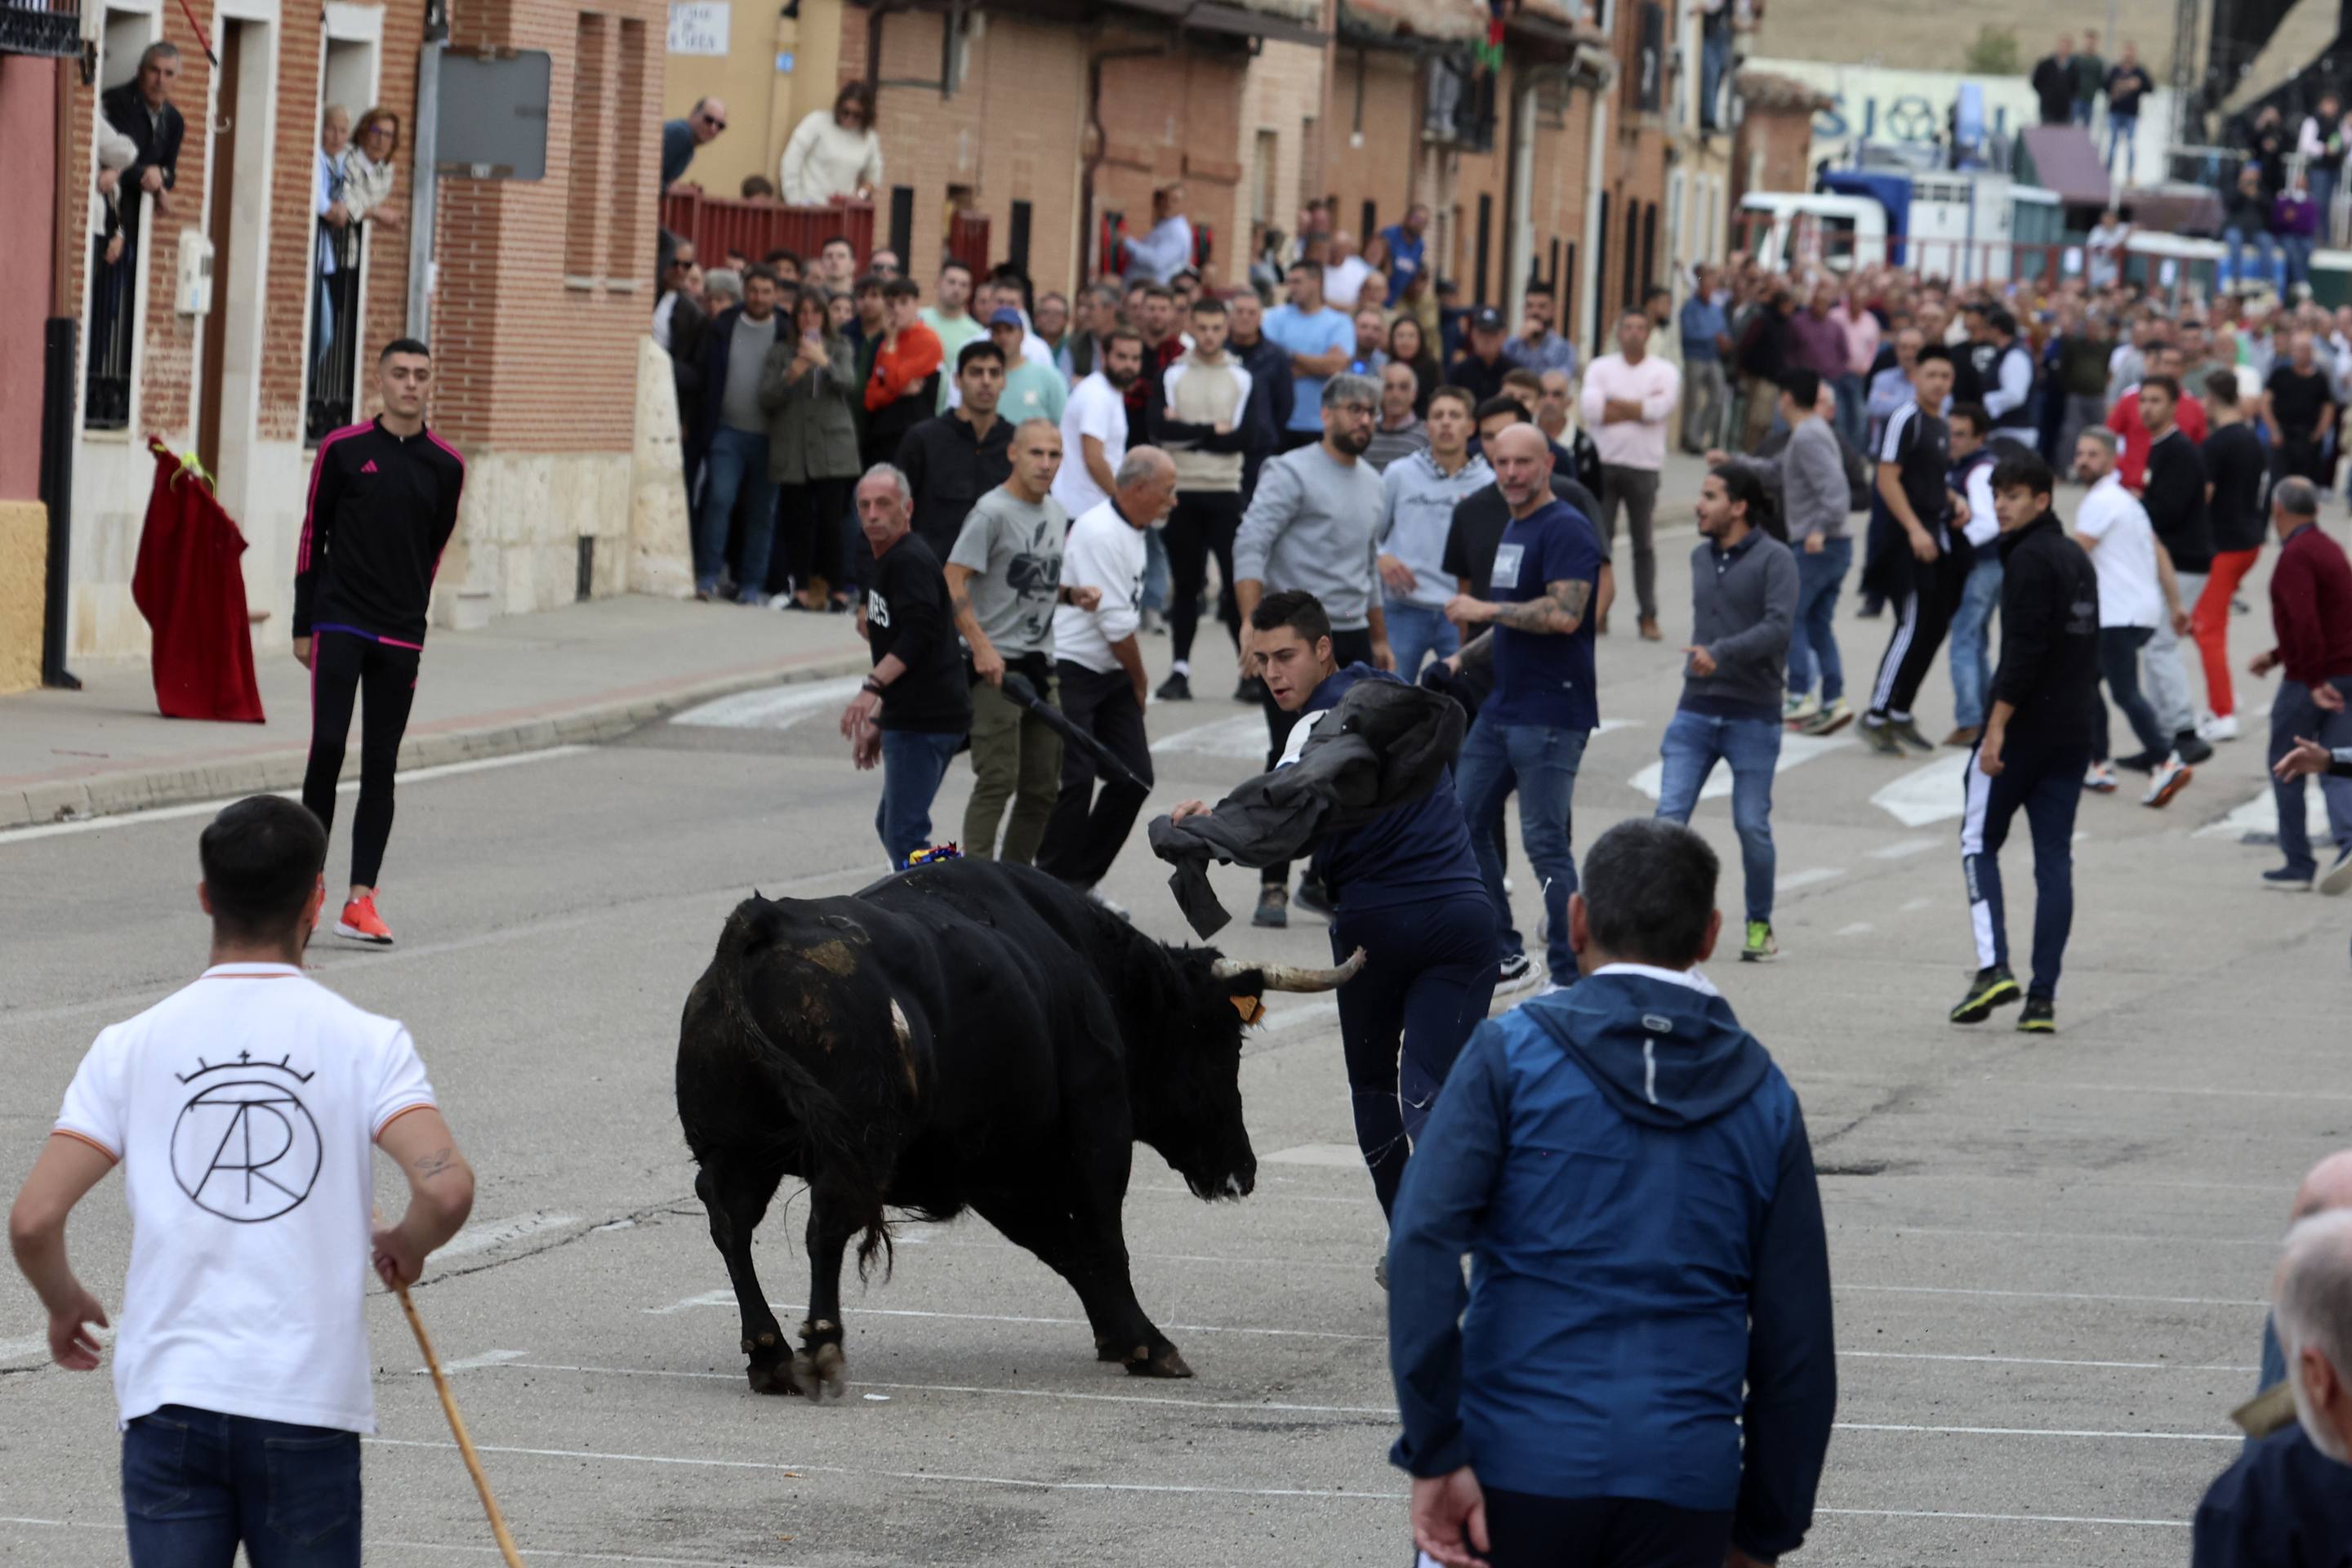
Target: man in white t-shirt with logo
[[243, 1110], [2137, 590]]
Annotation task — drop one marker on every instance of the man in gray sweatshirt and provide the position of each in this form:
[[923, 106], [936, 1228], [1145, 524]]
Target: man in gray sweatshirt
[[1743, 604], [1814, 485], [1313, 525]]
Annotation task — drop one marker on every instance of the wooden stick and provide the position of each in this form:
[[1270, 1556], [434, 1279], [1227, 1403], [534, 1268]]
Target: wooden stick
[[458, 1426]]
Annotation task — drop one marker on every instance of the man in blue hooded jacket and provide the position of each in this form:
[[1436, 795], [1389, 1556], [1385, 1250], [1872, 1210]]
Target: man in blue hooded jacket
[[1644, 1374]]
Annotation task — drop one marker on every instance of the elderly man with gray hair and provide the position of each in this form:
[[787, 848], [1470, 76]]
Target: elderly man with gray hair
[[912, 713], [1314, 524], [2288, 1499], [1099, 665]]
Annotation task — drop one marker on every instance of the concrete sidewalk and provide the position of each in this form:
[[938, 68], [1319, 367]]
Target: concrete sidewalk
[[587, 672]]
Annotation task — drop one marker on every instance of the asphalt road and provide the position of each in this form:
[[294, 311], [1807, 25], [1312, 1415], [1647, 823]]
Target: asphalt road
[[2049, 1254]]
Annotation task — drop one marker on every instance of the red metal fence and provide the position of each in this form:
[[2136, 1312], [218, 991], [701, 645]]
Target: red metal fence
[[719, 224]]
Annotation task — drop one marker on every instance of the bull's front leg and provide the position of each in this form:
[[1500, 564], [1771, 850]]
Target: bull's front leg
[[1101, 1273], [736, 1202]]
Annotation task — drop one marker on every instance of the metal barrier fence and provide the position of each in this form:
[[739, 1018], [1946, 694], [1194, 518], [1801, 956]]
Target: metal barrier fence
[[335, 334], [2169, 266], [717, 224]]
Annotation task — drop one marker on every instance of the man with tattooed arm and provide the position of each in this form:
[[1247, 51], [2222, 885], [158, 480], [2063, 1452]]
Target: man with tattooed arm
[[1532, 729]]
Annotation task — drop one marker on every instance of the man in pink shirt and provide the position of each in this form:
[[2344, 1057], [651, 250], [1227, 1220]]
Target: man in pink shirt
[[1628, 397], [1862, 336]]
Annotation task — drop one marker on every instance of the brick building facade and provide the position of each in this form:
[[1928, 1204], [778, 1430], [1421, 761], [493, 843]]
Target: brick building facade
[[536, 306]]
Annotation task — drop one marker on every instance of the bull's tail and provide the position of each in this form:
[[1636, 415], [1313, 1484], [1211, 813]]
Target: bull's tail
[[846, 1165]]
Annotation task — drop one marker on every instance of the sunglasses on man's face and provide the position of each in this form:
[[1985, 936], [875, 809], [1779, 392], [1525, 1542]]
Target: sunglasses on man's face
[[714, 122]]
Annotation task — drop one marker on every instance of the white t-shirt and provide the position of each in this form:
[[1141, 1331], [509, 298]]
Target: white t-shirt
[[1098, 409], [243, 1110], [2124, 555], [1343, 282], [1104, 551]]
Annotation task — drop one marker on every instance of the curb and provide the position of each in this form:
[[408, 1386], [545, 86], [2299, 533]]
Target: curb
[[587, 723]]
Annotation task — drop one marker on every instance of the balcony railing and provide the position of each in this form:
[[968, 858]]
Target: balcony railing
[[114, 300], [335, 334], [717, 224], [50, 28]]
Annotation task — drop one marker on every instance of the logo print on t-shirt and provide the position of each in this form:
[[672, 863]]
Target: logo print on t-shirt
[[245, 1148], [1507, 565]]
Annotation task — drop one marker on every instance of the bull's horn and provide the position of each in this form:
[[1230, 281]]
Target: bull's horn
[[1289, 977]]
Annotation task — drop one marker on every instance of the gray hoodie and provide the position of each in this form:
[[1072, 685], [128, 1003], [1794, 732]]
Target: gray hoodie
[[1315, 524], [1743, 604], [1421, 498]]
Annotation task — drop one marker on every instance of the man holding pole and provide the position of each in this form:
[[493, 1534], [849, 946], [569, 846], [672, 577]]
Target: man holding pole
[[243, 1110]]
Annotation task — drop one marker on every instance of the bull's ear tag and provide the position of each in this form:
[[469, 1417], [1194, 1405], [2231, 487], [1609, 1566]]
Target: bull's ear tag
[[1656, 1024], [1251, 1008]]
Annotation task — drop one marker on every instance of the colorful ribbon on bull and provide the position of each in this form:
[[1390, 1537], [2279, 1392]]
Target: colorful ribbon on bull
[[937, 852], [190, 463]]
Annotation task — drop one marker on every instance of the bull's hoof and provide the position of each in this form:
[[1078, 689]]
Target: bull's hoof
[[829, 1370], [772, 1377], [1161, 1363], [1109, 1348]]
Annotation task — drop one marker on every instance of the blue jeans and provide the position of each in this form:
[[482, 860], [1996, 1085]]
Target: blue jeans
[[1813, 638], [2323, 196], [1543, 759], [1971, 640], [195, 1483], [2121, 131], [1852, 415], [1714, 65], [2293, 713], [913, 764], [1155, 570], [1693, 743], [737, 463], [2266, 256], [2295, 257], [2083, 111], [1416, 633]]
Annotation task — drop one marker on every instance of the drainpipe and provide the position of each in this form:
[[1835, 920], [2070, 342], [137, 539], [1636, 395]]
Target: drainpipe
[[424, 198], [1101, 148]]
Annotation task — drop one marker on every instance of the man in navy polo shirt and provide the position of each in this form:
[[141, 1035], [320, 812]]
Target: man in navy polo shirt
[[1532, 729]]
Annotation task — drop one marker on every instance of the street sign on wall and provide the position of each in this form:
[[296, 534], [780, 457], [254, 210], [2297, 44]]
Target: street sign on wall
[[699, 26]]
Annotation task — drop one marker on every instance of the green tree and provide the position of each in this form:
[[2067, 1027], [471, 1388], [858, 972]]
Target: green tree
[[1994, 53]]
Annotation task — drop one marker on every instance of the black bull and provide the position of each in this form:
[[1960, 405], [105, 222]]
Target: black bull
[[962, 1035]]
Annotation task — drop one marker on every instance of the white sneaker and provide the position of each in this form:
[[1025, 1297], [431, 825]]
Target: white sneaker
[[1802, 705], [2218, 727], [1518, 973], [2167, 780]]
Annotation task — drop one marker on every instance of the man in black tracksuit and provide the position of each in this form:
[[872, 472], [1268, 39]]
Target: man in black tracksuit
[[2036, 742], [384, 501]]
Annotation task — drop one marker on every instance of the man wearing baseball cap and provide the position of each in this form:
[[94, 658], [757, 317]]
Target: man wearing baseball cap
[[1480, 368]]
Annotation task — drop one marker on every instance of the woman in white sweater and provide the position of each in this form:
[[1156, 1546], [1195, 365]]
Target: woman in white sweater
[[367, 171], [834, 155]]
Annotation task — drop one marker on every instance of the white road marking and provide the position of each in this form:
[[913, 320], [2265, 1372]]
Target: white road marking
[[1281, 1018], [1384, 1411], [32, 1347], [1344, 1156], [213, 807], [2001, 1518], [473, 1363], [484, 1235], [1807, 878], [1930, 793], [2043, 1361], [1913, 906], [1240, 738], [1856, 929], [2268, 1243], [1025, 1485], [2046, 1295], [2260, 815], [2044, 1432], [1795, 752], [778, 708], [726, 1299], [376, 1543], [1906, 848]]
